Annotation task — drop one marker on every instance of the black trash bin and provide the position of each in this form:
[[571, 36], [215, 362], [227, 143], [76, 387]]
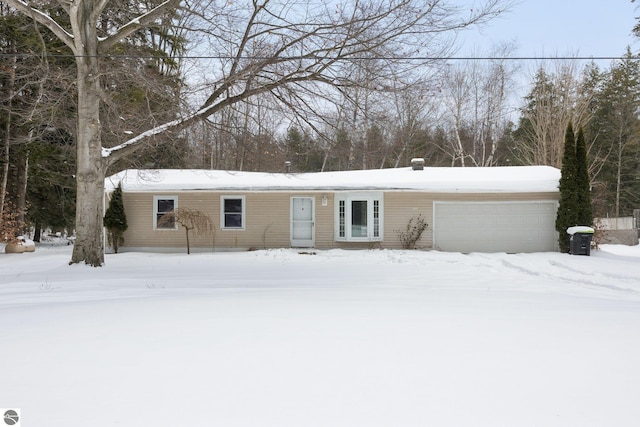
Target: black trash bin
[[580, 240]]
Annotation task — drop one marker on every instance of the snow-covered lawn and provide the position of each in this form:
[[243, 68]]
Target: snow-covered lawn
[[335, 338]]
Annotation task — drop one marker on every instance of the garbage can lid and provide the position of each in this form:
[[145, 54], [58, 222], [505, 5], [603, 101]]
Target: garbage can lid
[[580, 229]]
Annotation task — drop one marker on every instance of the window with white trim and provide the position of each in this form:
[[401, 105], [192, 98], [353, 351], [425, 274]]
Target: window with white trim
[[359, 217], [164, 212], [232, 212]]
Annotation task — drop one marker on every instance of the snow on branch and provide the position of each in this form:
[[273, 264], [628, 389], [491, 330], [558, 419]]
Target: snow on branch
[[136, 23], [44, 19], [178, 123], [115, 153]]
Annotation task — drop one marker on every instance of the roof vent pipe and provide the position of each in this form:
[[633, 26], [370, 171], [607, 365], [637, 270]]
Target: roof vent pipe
[[417, 164], [287, 166]]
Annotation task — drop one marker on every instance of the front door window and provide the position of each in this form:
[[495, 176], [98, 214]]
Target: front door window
[[359, 218]]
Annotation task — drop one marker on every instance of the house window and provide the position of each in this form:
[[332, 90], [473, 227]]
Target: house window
[[341, 215], [359, 217], [232, 215], [376, 218], [164, 212]]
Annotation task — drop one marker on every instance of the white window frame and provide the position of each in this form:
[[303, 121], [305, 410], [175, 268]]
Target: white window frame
[[374, 225], [243, 218], [155, 212]]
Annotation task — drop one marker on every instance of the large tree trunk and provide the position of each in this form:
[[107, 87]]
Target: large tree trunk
[[89, 243]]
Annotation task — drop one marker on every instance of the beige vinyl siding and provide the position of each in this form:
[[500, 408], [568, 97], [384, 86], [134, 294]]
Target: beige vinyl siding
[[324, 221], [267, 221], [401, 206], [140, 210]]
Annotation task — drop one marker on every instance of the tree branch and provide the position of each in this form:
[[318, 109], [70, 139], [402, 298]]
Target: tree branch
[[45, 20], [118, 152], [136, 24]]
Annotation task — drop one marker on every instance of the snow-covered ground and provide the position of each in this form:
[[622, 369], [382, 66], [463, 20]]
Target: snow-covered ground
[[335, 338]]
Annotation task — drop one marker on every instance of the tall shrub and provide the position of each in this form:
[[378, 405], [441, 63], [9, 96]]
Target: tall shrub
[[584, 212], [115, 220], [568, 206]]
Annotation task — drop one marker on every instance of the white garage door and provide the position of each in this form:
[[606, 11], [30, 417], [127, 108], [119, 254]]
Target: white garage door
[[495, 227]]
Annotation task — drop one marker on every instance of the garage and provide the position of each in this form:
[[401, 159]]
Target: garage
[[511, 227]]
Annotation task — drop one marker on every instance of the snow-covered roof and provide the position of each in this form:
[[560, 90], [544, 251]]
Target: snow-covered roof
[[513, 179]]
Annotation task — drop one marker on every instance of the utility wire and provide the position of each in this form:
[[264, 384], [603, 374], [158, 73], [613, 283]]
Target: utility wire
[[317, 57]]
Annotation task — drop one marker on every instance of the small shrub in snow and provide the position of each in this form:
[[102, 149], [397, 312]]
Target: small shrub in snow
[[410, 236]]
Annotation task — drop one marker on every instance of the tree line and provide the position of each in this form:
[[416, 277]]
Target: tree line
[[91, 87], [467, 120]]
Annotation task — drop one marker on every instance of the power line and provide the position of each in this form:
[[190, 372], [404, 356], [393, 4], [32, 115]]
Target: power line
[[317, 57]]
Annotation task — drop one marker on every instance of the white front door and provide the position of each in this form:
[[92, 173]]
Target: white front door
[[302, 222]]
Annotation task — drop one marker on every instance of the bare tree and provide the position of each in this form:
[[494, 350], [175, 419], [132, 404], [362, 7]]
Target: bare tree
[[555, 100], [191, 220], [413, 107], [475, 96], [263, 46]]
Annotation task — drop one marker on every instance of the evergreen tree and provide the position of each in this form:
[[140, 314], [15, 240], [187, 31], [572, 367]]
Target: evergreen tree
[[583, 188], [303, 151], [341, 153], [296, 150], [51, 190], [115, 220], [615, 132], [34, 76], [568, 206], [556, 98]]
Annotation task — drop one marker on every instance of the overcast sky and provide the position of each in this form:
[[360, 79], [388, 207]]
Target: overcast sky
[[562, 28]]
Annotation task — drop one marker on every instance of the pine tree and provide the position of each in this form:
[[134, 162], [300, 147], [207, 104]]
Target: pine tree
[[615, 132], [568, 205], [584, 213], [115, 220]]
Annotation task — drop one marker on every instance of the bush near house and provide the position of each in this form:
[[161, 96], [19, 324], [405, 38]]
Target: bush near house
[[410, 236], [115, 219]]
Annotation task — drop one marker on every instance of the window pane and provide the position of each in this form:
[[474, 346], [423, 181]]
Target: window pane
[[359, 218], [165, 205], [233, 220], [232, 213], [164, 213], [167, 220], [232, 205], [376, 218], [342, 220]]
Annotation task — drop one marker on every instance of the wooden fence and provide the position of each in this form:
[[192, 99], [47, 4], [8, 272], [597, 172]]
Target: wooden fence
[[623, 223]]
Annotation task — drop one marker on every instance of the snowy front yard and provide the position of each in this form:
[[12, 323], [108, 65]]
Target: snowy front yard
[[339, 338]]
